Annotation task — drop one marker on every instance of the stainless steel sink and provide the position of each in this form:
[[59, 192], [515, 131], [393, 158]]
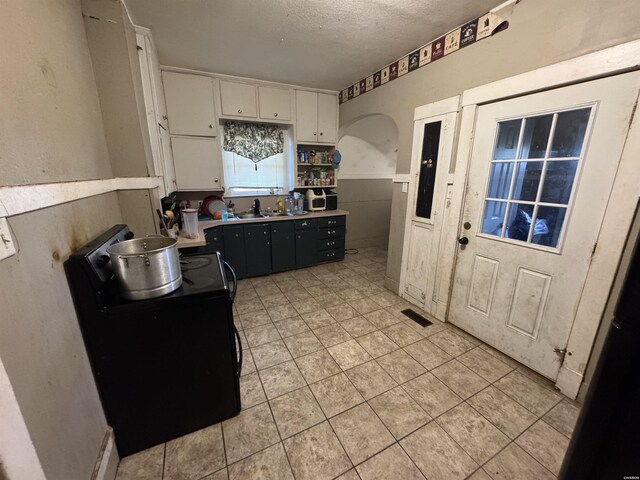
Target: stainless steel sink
[[248, 215], [277, 214]]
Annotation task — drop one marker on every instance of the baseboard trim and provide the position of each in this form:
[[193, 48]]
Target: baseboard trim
[[107, 461], [568, 382]]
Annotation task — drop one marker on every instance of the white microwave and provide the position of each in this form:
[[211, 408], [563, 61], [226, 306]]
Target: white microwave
[[316, 200]]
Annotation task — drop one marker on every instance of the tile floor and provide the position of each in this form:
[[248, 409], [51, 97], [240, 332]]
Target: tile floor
[[338, 383]]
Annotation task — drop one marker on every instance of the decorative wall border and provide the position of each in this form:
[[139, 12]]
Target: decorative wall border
[[458, 38]]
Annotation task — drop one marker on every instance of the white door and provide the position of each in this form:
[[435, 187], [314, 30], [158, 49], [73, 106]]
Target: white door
[[327, 118], [431, 155], [190, 107], [197, 163], [540, 174], [306, 116]]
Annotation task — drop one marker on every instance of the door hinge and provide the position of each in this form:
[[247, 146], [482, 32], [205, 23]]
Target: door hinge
[[561, 352]]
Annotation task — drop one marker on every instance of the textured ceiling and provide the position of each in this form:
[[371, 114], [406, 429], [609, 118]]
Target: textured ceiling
[[313, 43]]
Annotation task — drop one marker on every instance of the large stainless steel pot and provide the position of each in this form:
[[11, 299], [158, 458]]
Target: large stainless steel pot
[[146, 267]]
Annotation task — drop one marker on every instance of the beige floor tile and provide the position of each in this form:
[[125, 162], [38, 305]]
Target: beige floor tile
[[271, 301], [459, 378], [391, 463], [501, 410], [401, 366], [513, 463], [499, 355], [145, 465], [377, 344], [336, 394], [255, 319], [387, 299], [365, 305], [270, 354], [484, 364], [429, 355], [479, 438], [348, 293], [318, 318], [451, 343], [296, 411], [195, 455], [291, 326], [399, 412], [248, 365], [349, 354], [219, 475], [382, 318], [251, 392], [269, 463], [370, 379], [317, 366], [282, 311], [316, 454], [402, 334], [328, 300], [480, 474], [303, 344], [358, 326], [306, 306], [350, 475], [529, 394], [435, 327], [361, 433], [563, 417], [332, 335], [248, 306], [281, 379], [536, 377], [342, 312], [260, 335], [437, 455], [463, 334], [545, 444], [431, 394], [249, 432]]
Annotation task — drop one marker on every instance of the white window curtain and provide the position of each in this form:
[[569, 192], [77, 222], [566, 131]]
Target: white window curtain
[[256, 159]]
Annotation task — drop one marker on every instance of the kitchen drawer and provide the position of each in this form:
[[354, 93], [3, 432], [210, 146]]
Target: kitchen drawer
[[331, 222], [330, 232], [331, 243], [330, 255], [305, 224]]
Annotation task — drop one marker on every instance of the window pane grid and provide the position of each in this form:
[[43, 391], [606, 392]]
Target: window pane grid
[[530, 179]]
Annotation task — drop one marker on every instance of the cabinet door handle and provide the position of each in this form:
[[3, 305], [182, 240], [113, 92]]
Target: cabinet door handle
[[211, 125], [236, 235], [320, 133], [239, 110], [217, 180], [314, 134], [275, 114]]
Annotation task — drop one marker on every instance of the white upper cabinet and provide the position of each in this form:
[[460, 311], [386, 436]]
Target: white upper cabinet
[[190, 104], [275, 103], [316, 117], [197, 163], [238, 99], [327, 118]]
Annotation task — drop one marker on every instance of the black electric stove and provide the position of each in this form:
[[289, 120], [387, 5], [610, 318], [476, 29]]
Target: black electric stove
[[165, 366]]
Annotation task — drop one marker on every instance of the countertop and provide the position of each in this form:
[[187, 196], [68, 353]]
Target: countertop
[[200, 241]]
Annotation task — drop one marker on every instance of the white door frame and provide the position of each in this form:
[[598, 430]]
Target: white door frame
[[432, 112], [619, 213]]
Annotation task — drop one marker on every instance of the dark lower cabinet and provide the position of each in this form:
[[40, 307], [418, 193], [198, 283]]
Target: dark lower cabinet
[[283, 246], [234, 249], [306, 247], [257, 243], [255, 249]]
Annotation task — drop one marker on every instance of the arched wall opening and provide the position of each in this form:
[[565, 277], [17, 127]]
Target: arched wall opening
[[369, 149]]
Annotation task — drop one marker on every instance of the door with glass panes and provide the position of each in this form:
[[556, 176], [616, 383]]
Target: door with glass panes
[[540, 174], [433, 140]]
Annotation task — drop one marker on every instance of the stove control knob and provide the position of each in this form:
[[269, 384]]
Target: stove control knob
[[102, 261], [128, 235]]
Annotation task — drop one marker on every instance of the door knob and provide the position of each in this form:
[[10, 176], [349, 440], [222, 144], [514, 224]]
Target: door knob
[[463, 240]]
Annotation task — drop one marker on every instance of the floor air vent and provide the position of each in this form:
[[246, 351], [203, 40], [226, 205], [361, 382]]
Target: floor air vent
[[416, 317]]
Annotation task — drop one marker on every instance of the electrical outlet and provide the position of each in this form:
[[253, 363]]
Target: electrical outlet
[[7, 246]]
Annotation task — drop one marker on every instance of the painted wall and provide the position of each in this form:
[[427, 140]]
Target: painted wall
[[541, 32], [51, 129], [369, 149]]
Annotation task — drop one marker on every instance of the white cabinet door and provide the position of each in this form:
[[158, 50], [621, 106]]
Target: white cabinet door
[[190, 104], [275, 103], [327, 118], [238, 99], [197, 163], [306, 116]]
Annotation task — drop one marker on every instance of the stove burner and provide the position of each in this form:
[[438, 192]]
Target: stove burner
[[192, 263]]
